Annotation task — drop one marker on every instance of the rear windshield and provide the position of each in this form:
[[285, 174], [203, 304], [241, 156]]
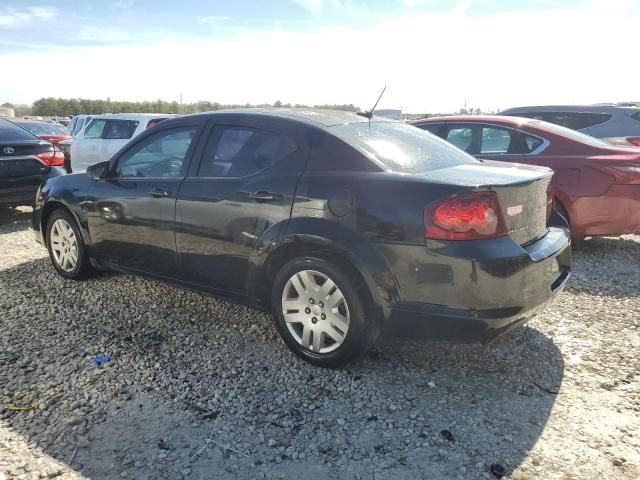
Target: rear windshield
[[10, 132], [571, 134], [402, 148], [44, 128]]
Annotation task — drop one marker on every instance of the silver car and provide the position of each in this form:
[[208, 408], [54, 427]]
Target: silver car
[[619, 125]]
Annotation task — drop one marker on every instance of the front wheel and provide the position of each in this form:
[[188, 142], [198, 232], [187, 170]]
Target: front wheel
[[66, 248], [320, 311]]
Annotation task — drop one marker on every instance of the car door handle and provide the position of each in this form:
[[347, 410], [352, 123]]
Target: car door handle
[[263, 196], [159, 193]]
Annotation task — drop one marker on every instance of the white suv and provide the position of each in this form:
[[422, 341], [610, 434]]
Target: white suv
[[106, 134]]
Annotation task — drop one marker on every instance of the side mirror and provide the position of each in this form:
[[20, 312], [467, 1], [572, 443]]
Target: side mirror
[[98, 170]]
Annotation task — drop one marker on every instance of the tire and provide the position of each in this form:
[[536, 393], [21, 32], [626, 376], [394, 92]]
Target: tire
[[332, 342], [63, 233]]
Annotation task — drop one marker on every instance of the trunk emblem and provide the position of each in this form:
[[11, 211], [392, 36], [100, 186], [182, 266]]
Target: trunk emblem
[[8, 150], [514, 210]]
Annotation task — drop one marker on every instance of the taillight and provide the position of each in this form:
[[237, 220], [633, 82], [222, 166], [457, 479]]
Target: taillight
[[466, 217], [53, 158], [634, 141]]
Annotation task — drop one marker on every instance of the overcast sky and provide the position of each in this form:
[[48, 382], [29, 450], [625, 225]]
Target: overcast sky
[[432, 54]]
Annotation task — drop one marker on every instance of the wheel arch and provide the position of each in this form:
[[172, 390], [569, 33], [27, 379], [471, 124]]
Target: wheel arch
[[322, 237], [50, 207]]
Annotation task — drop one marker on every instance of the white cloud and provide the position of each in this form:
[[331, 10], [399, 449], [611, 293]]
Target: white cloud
[[14, 17], [430, 62]]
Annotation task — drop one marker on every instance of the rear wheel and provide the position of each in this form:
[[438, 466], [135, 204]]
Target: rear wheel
[[320, 311], [66, 248]]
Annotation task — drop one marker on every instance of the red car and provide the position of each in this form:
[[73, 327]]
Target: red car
[[596, 185], [50, 132]]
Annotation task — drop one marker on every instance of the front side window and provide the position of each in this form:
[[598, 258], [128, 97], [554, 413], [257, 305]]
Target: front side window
[[95, 129], [243, 151], [120, 129], [401, 148], [160, 155]]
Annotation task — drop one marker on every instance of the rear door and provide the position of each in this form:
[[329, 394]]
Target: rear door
[[131, 213], [237, 199]]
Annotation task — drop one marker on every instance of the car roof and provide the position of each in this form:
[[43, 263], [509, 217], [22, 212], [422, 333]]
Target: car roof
[[31, 120], [131, 116], [505, 120], [572, 109], [310, 116]]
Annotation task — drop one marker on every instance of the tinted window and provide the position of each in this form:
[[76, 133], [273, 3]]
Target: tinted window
[[495, 141], [160, 155], [401, 148], [44, 128], [241, 151], [461, 137], [573, 120], [120, 129], [154, 121], [95, 129], [431, 127], [10, 132], [636, 116]]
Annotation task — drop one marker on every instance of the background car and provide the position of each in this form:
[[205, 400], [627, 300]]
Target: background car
[[77, 123], [47, 131], [104, 135], [290, 210], [24, 161], [618, 125], [596, 185]]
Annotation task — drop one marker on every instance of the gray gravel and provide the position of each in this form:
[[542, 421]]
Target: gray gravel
[[201, 388]]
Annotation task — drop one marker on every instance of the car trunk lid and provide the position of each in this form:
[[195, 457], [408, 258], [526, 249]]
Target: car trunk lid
[[522, 191], [17, 158]]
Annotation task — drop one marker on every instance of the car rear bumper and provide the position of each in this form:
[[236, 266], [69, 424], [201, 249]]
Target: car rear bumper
[[472, 291]]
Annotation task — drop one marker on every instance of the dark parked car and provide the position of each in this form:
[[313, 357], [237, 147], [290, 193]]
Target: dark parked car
[[615, 124], [596, 185], [24, 161], [339, 225]]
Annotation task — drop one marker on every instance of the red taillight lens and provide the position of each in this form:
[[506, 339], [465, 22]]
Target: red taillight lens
[[634, 141], [467, 217], [53, 158]]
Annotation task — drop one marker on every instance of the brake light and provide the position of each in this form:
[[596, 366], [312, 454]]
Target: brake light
[[53, 158], [634, 141], [466, 217]]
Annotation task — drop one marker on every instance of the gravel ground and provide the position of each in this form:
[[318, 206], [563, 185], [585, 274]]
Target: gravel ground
[[201, 388]]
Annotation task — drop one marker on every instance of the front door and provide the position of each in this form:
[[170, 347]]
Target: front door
[[236, 201], [131, 213]]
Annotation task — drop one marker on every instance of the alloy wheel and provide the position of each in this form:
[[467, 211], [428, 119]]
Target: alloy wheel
[[64, 245], [315, 311]]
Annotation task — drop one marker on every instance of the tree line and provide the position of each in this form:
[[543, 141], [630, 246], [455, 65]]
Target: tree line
[[75, 106]]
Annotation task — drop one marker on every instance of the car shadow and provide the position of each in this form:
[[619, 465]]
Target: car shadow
[[188, 370], [14, 219]]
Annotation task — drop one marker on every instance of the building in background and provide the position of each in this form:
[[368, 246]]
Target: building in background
[[389, 113]]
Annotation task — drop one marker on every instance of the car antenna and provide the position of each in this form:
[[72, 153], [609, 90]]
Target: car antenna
[[369, 113]]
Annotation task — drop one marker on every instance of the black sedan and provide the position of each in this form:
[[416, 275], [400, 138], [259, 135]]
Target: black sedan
[[339, 224], [24, 161]]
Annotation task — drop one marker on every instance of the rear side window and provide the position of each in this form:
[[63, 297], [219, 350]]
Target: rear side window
[[95, 129], [10, 132], [401, 148], [496, 141], [120, 129], [636, 116], [532, 143], [243, 151], [573, 120]]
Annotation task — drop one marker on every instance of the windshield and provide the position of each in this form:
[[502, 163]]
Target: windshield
[[44, 128], [402, 148], [571, 134]]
